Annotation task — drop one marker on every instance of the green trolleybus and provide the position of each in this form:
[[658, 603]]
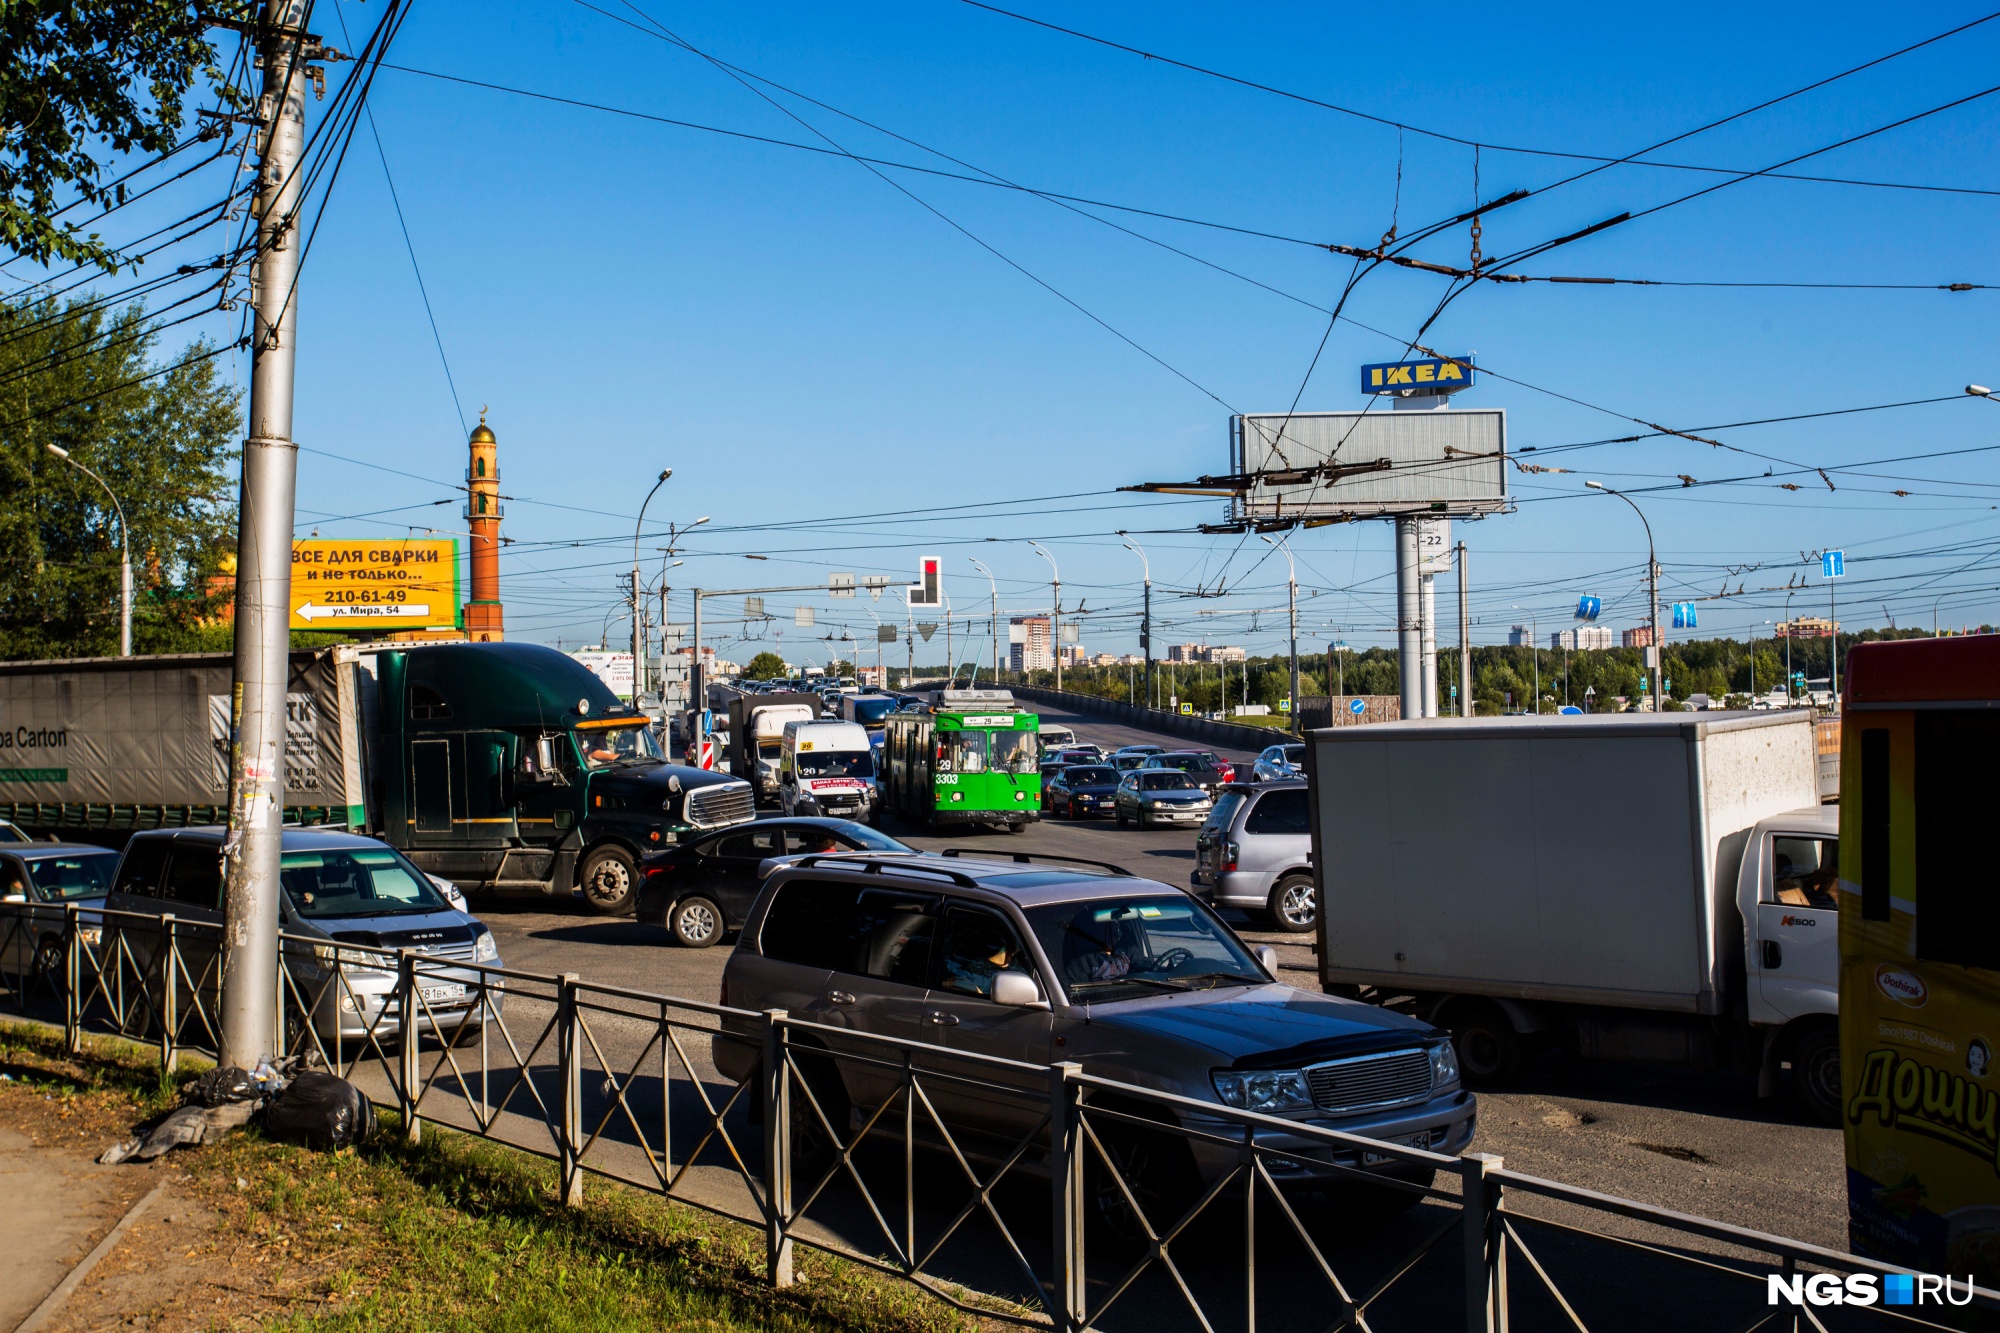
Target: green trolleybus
[[970, 757]]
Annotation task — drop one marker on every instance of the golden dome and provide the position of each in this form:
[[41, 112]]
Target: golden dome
[[480, 433]]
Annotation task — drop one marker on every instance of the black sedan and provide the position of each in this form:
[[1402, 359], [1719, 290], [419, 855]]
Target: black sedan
[[1083, 791], [701, 890], [1051, 769]]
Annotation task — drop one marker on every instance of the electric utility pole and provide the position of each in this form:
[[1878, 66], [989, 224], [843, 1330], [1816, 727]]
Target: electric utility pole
[[264, 555]]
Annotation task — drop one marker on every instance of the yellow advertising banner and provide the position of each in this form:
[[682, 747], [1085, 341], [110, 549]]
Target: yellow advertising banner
[[375, 585]]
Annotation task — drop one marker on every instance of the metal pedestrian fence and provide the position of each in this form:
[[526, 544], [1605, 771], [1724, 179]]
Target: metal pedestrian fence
[[1034, 1194]]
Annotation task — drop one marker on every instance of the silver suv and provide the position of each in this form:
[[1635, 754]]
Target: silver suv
[[1255, 852], [1038, 962]]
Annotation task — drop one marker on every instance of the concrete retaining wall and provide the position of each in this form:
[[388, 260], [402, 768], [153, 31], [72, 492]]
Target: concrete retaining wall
[[1224, 735]]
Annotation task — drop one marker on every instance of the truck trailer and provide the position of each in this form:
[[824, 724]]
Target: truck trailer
[[1637, 887], [507, 768]]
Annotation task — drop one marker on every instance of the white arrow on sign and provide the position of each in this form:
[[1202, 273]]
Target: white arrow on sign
[[388, 611]]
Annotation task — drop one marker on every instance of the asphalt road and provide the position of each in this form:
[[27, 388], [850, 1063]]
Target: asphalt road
[[1702, 1144]]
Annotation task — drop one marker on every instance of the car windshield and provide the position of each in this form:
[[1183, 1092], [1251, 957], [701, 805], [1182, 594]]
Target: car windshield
[[1167, 781], [1091, 777], [1184, 762], [1015, 752], [603, 747], [837, 764], [1295, 754], [73, 874], [1121, 949], [962, 752], [356, 882]]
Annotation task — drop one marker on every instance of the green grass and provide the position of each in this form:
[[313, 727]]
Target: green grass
[[459, 1233]]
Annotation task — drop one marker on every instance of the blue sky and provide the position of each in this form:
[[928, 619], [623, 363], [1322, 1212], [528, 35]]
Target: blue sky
[[802, 342]]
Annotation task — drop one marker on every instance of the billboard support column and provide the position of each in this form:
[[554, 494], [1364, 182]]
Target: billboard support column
[[249, 969], [1409, 624], [1427, 602], [1464, 640]]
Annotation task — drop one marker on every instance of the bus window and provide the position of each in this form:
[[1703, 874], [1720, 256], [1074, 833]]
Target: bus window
[[1015, 752], [964, 751], [1958, 904]]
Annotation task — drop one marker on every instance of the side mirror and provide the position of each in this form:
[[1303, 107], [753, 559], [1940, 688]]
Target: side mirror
[[1268, 956], [1016, 990]]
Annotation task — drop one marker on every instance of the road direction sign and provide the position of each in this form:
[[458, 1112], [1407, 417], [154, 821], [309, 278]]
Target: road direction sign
[[1684, 615], [375, 585], [885, 634], [1833, 564], [1360, 706], [927, 629], [1589, 608], [802, 616]]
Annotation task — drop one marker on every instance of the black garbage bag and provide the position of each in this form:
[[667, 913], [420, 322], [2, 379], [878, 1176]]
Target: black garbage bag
[[219, 1087], [320, 1111]]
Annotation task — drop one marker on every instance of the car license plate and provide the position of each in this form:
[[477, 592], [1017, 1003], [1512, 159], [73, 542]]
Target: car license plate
[[450, 991], [1422, 1140]]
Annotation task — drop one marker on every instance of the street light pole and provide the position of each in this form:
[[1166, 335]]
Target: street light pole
[[1145, 616], [125, 549], [1292, 621], [994, 616], [638, 625], [1791, 630], [1653, 593], [1534, 651], [1055, 620]]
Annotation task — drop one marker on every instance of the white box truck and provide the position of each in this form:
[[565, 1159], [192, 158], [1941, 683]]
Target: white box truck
[[1630, 886]]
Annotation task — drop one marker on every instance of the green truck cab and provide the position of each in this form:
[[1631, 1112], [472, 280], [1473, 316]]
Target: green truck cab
[[511, 768], [968, 757]]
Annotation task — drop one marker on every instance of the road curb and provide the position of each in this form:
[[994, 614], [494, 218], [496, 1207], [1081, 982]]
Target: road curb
[[53, 1301]]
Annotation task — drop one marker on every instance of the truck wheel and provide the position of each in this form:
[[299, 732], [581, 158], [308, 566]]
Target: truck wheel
[[610, 881], [696, 922], [1489, 1050], [1294, 904], [1816, 1073]]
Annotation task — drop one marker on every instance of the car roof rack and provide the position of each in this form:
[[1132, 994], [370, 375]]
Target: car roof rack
[[1028, 858], [869, 865]]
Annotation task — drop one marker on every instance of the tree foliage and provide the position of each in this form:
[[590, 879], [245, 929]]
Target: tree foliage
[[161, 433], [765, 666], [82, 81]]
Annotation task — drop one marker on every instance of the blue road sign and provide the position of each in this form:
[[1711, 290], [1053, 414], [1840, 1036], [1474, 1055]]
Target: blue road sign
[[1833, 564], [1359, 706], [1684, 615], [1589, 608], [1570, 710]]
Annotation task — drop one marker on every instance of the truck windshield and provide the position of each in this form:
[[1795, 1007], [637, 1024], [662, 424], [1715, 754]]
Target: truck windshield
[[1123, 948], [603, 748], [361, 882], [871, 711], [837, 764]]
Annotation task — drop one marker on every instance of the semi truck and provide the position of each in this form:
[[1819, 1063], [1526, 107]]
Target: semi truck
[[505, 768], [1628, 887]]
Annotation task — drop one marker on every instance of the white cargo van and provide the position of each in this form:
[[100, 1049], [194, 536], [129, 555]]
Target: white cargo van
[[1629, 887], [1055, 736], [828, 768]]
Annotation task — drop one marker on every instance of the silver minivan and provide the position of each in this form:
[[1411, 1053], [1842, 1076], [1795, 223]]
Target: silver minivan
[[1255, 852]]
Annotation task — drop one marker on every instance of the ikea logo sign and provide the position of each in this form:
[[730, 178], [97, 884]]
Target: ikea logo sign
[[1433, 374]]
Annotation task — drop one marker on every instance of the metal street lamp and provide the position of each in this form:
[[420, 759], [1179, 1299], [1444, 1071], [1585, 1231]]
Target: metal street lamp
[[1055, 620], [1534, 650], [124, 559], [994, 589], [1145, 616], [1292, 619], [1653, 593], [638, 621]]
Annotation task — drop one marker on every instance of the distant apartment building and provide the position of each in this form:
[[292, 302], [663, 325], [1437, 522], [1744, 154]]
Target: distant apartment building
[[1028, 646], [1806, 627], [1074, 655], [1201, 652], [1581, 638], [1519, 636], [1131, 659], [1639, 636]]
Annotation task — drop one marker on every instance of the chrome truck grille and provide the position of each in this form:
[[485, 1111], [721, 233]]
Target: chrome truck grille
[[727, 803], [1370, 1082]]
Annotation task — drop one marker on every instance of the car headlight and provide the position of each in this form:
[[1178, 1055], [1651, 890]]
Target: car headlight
[[1267, 1090], [91, 935], [1444, 1065], [486, 949]]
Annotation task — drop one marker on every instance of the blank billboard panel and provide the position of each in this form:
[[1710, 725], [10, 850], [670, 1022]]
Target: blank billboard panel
[[1445, 461]]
